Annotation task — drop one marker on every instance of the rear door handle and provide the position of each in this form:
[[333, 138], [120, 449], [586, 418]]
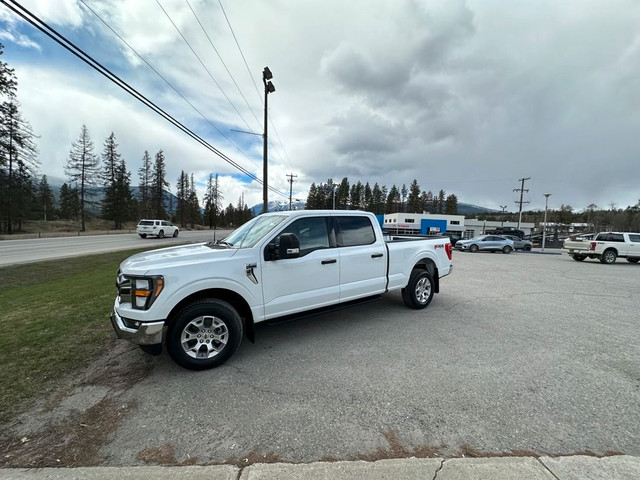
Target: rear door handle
[[327, 262], [377, 255]]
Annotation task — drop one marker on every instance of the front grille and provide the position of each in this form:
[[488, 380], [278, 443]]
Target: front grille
[[123, 284]]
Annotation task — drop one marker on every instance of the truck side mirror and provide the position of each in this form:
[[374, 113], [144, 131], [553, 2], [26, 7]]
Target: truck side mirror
[[289, 246]]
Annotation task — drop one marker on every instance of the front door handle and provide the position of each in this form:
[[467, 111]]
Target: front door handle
[[377, 255], [327, 262]]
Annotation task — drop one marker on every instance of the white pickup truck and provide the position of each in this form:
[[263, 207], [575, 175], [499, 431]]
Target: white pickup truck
[[200, 300], [606, 246]]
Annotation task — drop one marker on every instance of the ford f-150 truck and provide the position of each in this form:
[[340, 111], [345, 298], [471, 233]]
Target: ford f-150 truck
[[606, 246], [200, 300]]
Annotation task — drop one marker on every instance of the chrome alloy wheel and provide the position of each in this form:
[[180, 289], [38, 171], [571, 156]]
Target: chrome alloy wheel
[[204, 337], [423, 290]]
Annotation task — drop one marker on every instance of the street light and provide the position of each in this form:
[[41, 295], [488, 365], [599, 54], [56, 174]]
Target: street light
[[268, 88], [503, 207], [544, 226]]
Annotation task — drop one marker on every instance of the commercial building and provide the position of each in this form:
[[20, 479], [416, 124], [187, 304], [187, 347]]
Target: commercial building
[[433, 224]]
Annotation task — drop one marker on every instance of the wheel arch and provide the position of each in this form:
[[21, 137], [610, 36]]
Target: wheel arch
[[232, 298], [430, 266]]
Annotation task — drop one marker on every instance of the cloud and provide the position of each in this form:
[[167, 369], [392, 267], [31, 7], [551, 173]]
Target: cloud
[[463, 96]]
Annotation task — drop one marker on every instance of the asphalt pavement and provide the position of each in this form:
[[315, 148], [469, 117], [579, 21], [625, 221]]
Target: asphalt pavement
[[525, 361]]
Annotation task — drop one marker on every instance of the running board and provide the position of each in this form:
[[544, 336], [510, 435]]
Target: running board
[[319, 311]]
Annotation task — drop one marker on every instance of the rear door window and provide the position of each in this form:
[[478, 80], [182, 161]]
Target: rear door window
[[354, 231]]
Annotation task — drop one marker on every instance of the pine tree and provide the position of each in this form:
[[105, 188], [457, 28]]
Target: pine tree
[[356, 196], [368, 198], [69, 204], [393, 200], [451, 207], [414, 202], [213, 201], [441, 201], [182, 189], [378, 200], [118, 198], [18, 159], [342, 194], [145, 185], [158, 184], [193, 212], [45, 198], [82, 169]]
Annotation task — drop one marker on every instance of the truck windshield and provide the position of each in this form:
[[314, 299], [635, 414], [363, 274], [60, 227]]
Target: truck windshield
[[253, 231]]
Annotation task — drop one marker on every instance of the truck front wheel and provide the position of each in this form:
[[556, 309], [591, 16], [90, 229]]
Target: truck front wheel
[[204, 334], [609, 256], [419, 291]]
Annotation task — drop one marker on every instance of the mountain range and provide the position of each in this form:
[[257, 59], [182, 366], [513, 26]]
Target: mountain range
[[170, 201]]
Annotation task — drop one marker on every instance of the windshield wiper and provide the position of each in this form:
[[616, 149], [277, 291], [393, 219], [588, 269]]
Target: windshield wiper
[[219, 244]]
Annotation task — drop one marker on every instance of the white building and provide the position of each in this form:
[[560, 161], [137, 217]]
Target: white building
[[422, 223], [433, 224]]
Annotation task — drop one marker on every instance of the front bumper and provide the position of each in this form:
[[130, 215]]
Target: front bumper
[[148, 333]]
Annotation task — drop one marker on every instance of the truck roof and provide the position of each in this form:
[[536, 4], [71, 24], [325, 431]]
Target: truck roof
[[294, 213]]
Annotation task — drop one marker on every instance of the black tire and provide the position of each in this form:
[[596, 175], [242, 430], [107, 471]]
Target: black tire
[[204, 334], [633, 260], [608, 257], [161, 234], [507, 249], [527, 248], [473, 248], [175, 234], [419, 291], [578, 258], [143, 235]]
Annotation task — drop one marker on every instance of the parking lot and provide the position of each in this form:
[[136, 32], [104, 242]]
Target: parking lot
[[518, 354]]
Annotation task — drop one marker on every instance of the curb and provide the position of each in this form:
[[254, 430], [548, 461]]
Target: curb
[[622, 467]]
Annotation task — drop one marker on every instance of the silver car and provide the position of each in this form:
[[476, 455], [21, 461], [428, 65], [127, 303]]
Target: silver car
[[489, 243], [519, 243]]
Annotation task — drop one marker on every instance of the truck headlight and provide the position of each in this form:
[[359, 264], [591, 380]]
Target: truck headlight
[[145, 290]]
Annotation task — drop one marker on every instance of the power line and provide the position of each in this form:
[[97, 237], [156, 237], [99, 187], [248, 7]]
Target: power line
[[168, 83], [39, 24], [224, 64], [202, 63], [252, 80], [242, 54]]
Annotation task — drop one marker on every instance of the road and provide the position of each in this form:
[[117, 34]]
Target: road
[[34, 250]]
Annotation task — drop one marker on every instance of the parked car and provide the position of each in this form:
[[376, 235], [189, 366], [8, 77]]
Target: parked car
[[519, 243], [606, 247], [453, 237], [489, 243], [157, 228]]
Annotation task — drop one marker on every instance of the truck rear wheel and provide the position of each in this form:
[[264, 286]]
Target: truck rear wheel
[[608, 257], [578, 258], [419, 291], [204, 334]]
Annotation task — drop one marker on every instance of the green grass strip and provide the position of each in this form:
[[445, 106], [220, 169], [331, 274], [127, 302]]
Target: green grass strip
[[54, 318]]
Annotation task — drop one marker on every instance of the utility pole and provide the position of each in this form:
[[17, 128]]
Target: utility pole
[[544, 228], [290, 178], [521, 190]]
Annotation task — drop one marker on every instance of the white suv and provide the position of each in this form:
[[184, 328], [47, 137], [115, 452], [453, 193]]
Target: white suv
[[158, 228]]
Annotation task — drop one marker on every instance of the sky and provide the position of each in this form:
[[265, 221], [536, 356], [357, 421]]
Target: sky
[[464, 96]]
